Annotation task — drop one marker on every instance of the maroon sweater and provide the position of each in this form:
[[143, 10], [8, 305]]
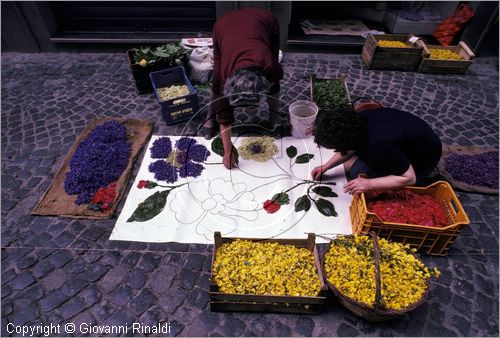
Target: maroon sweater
[[245, 38]]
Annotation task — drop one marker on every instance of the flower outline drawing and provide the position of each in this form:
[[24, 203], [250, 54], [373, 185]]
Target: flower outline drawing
[[214, 205]]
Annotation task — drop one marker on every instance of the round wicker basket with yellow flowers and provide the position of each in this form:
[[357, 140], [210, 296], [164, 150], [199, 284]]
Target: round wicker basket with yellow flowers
[[374, 278]]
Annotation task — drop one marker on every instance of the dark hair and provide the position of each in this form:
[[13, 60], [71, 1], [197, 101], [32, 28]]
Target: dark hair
[[341, 129]]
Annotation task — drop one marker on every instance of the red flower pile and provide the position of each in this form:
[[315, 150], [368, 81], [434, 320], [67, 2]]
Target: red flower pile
[[271, 206], [408, 207], [103, 198], [275, 203]]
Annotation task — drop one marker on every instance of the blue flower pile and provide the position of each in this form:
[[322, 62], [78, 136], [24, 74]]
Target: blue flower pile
[[98, 160], [183, 160], [480, 169]]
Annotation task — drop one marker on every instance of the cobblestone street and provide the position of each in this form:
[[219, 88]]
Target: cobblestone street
[[60, 270]]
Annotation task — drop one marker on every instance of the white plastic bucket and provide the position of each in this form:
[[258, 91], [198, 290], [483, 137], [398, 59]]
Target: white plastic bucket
[[302, 116]]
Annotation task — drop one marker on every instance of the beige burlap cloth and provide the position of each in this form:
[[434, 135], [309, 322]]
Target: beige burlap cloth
[[56, 202]]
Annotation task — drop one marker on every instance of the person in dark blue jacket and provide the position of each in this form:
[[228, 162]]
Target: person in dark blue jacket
[[381, 148]]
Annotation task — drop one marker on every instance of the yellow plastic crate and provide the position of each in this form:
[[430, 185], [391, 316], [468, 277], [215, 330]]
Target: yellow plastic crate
[[430, 240]]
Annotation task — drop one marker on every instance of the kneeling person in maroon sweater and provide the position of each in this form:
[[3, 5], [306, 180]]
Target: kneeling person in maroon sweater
[[246, 49]]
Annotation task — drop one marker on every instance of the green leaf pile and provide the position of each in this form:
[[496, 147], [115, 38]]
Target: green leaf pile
[[281, 198], [325, 191], [151, 207], [302, 203], [218, 147], [325, 207], [329, 94], [169, 55]]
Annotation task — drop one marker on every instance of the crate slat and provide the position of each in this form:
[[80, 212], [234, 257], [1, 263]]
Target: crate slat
[[258, 307]]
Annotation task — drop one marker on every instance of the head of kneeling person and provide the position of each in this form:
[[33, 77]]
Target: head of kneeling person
[[245, 86], [341, 129]]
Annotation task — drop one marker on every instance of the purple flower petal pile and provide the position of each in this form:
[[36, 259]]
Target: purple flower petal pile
[[190, 169], [480, 169], [98, 160], [185, 162], [163, 171], [161, 148]]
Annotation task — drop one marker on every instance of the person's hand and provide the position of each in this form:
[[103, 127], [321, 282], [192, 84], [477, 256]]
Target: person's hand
[[317, 172], [229, 160], [358, 185]]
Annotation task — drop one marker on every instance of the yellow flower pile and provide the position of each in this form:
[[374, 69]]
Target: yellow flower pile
[[245, 267], [171, 92], [260, 148], [350, 267], [394, 44], [444, 54]]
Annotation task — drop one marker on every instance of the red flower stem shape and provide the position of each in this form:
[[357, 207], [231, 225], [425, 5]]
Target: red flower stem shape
[[150, 185]]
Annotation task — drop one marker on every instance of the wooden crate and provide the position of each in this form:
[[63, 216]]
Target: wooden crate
[[342, 78], [430, 240], [225, 302], [437, 66], [392, 58]]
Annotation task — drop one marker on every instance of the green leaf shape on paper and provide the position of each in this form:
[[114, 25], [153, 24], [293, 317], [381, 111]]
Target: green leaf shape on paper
[[291, 151], [325, 191], [151, 207], [304, 158], [302, 203], [282, 198], [325, 207], [218, 147]]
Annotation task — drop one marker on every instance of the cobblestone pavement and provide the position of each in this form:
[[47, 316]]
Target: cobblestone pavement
[[58, 270]]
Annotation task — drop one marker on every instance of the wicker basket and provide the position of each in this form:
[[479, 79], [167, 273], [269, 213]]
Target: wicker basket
[[429, 65], [430, 240], [378, 312], [391, 58]]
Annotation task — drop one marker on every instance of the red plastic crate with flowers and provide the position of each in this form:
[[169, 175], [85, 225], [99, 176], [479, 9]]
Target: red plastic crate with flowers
[[429, 219]]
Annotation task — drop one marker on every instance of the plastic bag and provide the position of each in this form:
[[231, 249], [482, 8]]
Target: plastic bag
[[201, 64], [451, 26]]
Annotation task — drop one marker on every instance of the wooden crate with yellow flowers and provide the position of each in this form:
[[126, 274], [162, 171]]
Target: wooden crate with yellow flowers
[[375, 279], [266, 275], [447, 59], [393, 52]]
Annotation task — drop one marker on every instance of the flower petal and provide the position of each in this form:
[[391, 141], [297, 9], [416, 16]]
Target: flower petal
[[184, 143], [161, 147], [163, 171], [190, 169], [198, 153]]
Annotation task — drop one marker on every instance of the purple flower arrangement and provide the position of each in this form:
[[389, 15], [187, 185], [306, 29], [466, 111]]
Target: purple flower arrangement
[[98, 160], [183, 160], [480, 169]]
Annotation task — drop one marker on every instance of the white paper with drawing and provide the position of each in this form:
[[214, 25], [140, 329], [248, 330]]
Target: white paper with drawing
[[184, 194]]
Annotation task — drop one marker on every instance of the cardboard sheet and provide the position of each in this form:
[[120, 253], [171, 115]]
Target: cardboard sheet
[[334, 27]]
